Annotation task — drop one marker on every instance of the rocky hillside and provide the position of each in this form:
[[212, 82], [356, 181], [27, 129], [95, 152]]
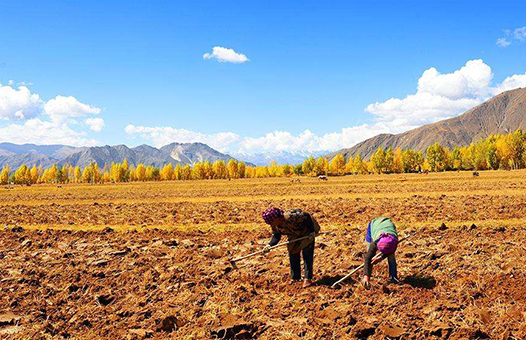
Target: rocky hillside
[[190, 153], [14, 155]]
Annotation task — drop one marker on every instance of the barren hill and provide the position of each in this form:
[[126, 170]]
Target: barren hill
[[503, 113]]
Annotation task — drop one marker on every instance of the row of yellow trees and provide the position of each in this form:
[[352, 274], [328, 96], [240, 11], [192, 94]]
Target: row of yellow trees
[[506, 151], [122, 172]]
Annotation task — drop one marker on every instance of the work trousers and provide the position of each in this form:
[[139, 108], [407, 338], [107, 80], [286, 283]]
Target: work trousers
[[308, 262]]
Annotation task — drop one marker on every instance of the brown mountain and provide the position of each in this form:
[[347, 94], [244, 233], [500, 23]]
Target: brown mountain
[[501, 114]]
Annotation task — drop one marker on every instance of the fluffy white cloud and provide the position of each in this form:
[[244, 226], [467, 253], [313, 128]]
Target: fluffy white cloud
[[44, 132], [226, 55], [27, 118], [163, 135], [472, 80], [271, 142], [95, 124], [512, 82], [438, 96], [18, 104], [62, 107]]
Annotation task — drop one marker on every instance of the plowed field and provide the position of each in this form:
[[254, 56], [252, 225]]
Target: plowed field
[[149, 260]]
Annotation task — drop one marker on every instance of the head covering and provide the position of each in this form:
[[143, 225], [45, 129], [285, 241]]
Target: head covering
[[271, 214], [387, 243]]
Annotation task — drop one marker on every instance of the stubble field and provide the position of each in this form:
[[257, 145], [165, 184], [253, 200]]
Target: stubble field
[[149, 260]]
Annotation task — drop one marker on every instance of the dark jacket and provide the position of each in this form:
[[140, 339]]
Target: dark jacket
[[296, 224]]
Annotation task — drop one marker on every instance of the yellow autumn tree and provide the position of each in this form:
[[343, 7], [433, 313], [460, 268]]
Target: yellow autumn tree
[[241, 168], [34, 174], [337, 165], [78, 174], [21, 176], [398, 161], [232, 168], [308, 166], [4, 175], [321, 167], [349, 166], [219, 169], [140, 172], [167, 172], [359, 165]]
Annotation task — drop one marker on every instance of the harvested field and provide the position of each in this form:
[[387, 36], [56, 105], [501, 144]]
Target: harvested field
[[161, 272]]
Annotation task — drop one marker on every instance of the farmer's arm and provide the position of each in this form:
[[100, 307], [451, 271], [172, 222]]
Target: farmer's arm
[[367, 264], [275, 239]]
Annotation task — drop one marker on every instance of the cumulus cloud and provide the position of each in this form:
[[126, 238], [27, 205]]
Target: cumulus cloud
[[438, 96], [95, 124], [44, 132], [271, 142], [29, 119], [19, 104], [62, 107], [512, 82], [165, 135], [517, 36], [226, 55]]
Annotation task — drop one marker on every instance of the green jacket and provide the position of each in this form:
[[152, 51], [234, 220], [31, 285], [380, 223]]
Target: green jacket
[[382, 225]]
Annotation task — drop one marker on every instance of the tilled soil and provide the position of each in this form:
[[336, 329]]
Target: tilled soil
[[458, 282], [407, 199], [331, 210]]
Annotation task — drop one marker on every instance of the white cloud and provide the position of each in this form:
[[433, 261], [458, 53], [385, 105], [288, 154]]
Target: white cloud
[[62, 107], [271, 142], [517, 35], [23, 83], [503, 42], [520, 33], [472, 80], [438, 96], [512, 82], [29, 119], [44, 132], [95, 124], [18, 104], [226, 55], [165, 135]]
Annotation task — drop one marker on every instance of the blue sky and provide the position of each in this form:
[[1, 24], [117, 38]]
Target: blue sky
[[314, 66]]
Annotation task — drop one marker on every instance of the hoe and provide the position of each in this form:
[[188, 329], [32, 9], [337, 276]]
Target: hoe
[[233, 261], [377, 258]]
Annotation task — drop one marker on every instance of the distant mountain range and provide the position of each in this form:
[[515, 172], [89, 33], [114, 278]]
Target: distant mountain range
[[503, 113], [15, 155]]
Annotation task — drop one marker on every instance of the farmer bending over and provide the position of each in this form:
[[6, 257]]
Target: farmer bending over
[[381, 235], [294, 224]]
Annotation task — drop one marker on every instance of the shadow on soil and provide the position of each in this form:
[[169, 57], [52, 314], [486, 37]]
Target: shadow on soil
[[421, 281], [330, 280]]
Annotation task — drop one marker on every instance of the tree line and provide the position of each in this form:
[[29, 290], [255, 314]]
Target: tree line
[[504, 151]]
